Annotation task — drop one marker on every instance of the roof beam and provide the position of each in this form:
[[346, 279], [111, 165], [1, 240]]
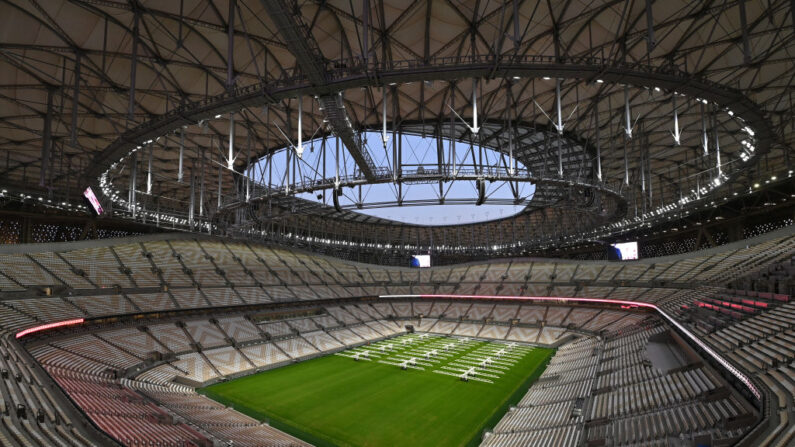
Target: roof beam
[[307, 54]]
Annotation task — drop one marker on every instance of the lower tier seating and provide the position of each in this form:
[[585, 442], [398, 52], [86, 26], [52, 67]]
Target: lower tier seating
[[603, 391], [763, 346], [136, 382]]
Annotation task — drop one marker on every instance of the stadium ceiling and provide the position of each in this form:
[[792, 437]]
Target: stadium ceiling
[[621, 112]]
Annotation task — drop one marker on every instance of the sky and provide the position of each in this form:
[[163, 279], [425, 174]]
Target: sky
[[417, 152]]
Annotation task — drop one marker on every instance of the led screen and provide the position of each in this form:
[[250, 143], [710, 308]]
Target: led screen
[[92, 199], [421, 260], [625, 250]]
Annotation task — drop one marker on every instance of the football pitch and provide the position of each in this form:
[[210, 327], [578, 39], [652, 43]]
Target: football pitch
[[403, 391]]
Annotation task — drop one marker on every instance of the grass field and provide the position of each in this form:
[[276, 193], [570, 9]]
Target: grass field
[[336, 401]]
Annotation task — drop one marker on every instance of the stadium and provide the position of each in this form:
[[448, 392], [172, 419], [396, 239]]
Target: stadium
[[369, 223]]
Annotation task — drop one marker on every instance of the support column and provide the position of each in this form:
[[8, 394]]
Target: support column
[[230, 50], [598, 142], [230, 161], [75, 100], [650, 41], [149, 169], [704, 139], [201, 181], [220, 183], [46, 141], [718, 170], [180, 173], [133, 180], [559, 126], [299, 150], [133, 62], [744, 28], [191, 205]]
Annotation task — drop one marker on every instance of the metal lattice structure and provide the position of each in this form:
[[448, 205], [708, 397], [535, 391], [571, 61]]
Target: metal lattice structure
[[622, 113]]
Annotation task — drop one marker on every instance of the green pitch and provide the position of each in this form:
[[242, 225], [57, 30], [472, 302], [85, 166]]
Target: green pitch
[[338, 401]]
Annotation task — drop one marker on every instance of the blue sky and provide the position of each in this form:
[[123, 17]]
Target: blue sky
[[417, 151]]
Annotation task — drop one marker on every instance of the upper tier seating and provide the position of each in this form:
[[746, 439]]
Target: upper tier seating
[[213, 264]]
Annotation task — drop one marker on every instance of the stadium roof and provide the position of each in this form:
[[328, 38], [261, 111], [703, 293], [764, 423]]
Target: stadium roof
[[607, 104]]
